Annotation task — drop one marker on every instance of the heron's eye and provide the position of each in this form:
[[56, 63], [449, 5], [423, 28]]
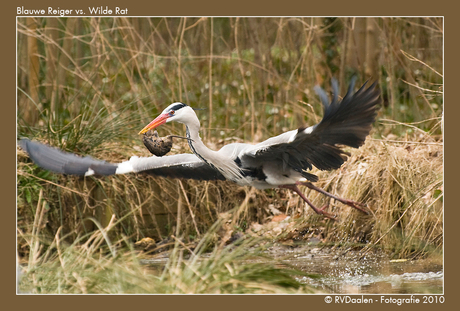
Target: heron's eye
[[172, 112]]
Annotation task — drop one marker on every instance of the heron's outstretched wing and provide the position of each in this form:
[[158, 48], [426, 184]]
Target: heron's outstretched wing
[[345, 123], [176, 166]]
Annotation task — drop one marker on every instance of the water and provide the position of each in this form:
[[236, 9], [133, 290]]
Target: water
[[335, 272]]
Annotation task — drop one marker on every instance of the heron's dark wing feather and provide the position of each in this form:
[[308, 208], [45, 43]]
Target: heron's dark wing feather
[[58, 161], [345, 123], [176, 166]]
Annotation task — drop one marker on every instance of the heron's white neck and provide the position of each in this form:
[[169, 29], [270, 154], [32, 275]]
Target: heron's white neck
[[224, 163], [196, 144]]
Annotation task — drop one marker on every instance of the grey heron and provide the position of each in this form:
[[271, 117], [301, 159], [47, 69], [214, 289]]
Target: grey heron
[[283, 161]]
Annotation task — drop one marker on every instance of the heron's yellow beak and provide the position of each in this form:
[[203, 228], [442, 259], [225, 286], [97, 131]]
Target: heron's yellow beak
[[161, 119]]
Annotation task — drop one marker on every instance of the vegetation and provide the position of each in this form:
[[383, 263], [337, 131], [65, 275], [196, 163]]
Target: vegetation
[[98, 266], [88, 85]]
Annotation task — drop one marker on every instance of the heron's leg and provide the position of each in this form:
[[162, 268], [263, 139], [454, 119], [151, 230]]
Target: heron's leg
[[357, 205], [317, 210]]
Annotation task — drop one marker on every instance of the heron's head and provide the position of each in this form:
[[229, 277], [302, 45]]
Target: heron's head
[[175, 112]]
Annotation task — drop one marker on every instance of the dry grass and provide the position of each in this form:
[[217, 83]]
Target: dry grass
[[402, 184]]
